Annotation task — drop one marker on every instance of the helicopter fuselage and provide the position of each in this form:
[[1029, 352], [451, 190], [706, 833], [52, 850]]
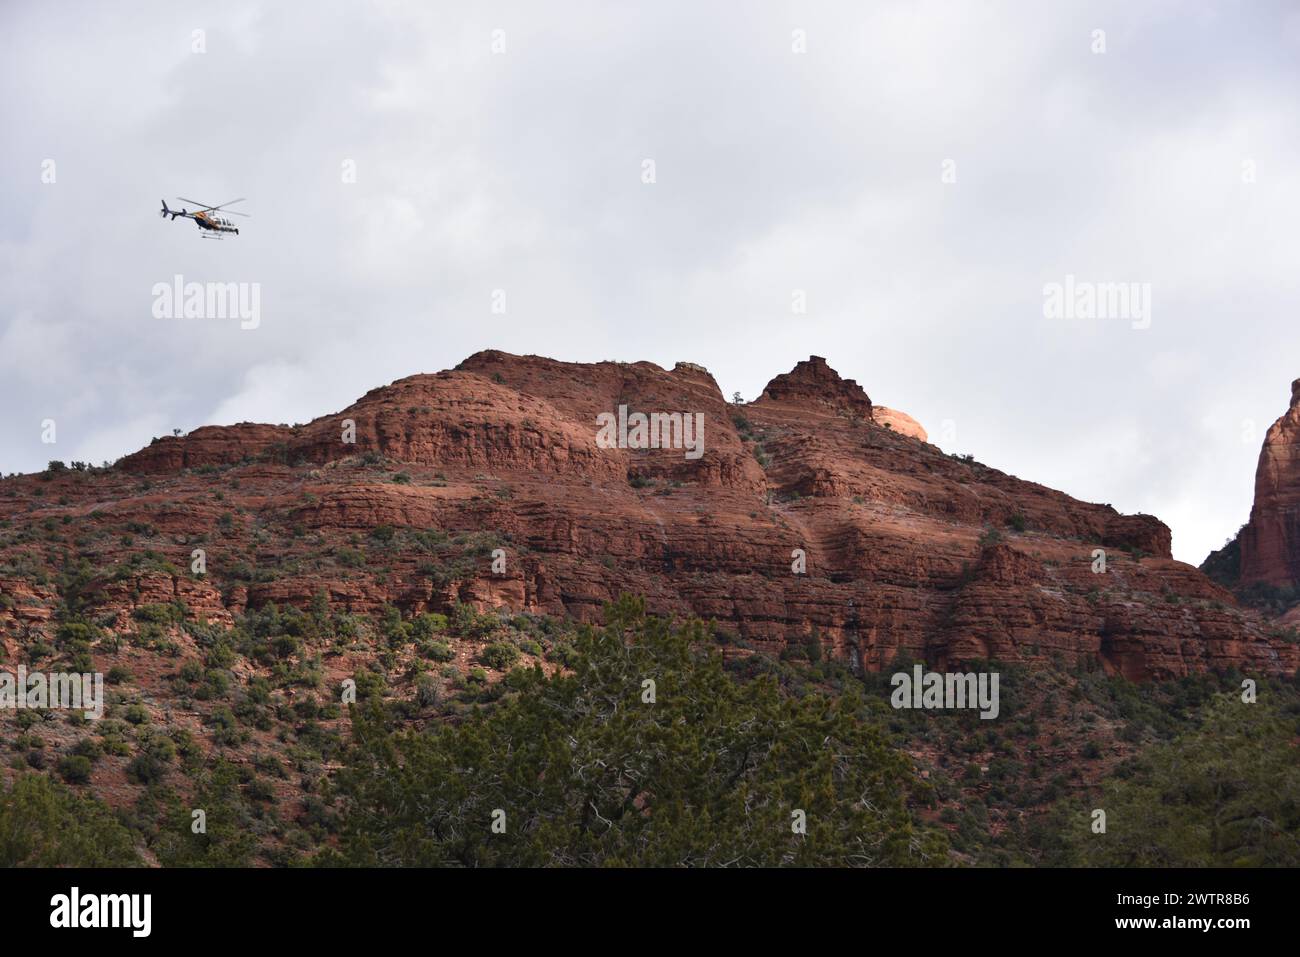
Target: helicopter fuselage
[[215, 223]]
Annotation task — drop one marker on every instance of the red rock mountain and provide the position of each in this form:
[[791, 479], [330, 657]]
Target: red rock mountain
[[907, 549], [1270, 541]]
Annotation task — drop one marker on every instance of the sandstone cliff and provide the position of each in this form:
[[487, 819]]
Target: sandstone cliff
[[1270, 541]]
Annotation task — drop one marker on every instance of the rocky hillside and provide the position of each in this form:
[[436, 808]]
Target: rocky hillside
[[809, 514]]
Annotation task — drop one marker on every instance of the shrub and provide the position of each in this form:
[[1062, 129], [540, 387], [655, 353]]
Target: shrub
[[260, 789], [438, 651], [75, 769], [146, 768], [427, 691], [370, 684], [191, 672], [499, 655], [158, 614], [350, 558], [424, 627]]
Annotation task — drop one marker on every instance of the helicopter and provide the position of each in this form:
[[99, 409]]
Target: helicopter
[[205, 217]]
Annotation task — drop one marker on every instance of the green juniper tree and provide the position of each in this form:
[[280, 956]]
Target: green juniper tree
[[1226, 794], [645, 752], [45, 824]]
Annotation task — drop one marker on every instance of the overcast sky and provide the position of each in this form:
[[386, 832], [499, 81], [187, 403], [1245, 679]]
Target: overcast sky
[[775, 171]]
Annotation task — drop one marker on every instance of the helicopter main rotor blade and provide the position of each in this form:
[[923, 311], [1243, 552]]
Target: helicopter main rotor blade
[[210, 209], [205, 206], [202, 206]]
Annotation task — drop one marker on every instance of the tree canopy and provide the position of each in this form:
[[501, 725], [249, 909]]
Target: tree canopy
[[45, 824], [645, 751], [1226, 794]]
